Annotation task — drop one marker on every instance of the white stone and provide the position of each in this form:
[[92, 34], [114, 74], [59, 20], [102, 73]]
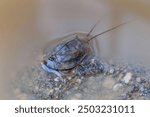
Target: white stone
[[73, 71], [78, 81], [111, 71], [138, 79], [92, 61], [56, 89], [117, 87], [69, 78], [56, 79], [127, 77]]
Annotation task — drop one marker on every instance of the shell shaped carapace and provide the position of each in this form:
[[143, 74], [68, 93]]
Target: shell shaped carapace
[[68, 54]]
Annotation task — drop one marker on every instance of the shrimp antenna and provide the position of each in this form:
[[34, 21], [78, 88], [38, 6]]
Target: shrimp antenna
[[106, 31], [93, 27]]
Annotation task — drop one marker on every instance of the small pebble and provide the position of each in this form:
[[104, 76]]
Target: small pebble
[[127, 77], [56, 89], [92, 61], [111, 71], [78, 81], [117, 87], [84, 84], [138, 79], [69, 78], [57, 79]]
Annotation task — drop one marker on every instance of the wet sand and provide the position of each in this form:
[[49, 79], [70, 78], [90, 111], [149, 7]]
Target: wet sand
[[99, 79]]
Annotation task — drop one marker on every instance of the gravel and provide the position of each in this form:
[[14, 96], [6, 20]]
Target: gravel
[[95, 78]]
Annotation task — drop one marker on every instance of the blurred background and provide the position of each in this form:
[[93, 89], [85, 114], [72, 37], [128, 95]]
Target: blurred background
[[27, 25]]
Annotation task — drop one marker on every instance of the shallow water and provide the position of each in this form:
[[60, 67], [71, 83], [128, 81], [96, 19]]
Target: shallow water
[[27, 27]]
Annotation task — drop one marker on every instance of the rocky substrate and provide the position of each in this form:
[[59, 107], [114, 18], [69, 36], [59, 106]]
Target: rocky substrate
[[93, 79]]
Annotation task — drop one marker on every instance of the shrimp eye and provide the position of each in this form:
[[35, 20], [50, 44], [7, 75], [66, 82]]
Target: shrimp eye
[[51, 58]]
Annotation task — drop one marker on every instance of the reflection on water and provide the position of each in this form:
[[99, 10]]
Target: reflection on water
[[27, 26]]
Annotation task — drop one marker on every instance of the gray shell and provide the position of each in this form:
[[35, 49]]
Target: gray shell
[[68, 55]]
